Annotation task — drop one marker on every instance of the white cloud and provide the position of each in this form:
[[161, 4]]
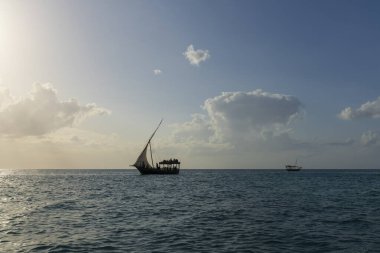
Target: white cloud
[[237, 113], [241, 130], [236, 117], [370, 109], [255, 130], [41, 112], [369, 138], [157, 72], [5, 98], [195, 57], [199, 128]]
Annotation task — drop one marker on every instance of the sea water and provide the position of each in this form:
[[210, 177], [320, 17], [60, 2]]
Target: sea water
[[195, 211]]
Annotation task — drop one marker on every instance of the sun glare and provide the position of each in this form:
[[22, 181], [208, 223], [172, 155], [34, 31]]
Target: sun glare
[[7, 35], [15, 43], [5, 24]]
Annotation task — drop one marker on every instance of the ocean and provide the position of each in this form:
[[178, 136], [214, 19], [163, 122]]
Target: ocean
[[195, 211]]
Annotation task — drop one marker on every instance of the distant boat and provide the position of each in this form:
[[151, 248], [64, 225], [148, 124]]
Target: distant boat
[[170, 166], [294, 167]]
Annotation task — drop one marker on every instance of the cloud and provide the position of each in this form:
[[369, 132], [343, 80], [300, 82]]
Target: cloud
[[347, 142], [256, 130], [237, 117], [195, 57], [243, 112], [241, 130], [199, 128], [41, 112], [370, 109], [369, 138], [68, 147], [5, 98], [157, 72]]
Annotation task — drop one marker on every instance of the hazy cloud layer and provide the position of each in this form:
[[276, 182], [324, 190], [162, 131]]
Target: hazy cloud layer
[[370, 109], [195, 57], [41, 112], [347, 142], [242, 116]]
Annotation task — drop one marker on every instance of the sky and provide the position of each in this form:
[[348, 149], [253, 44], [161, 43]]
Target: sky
[[239, 84]]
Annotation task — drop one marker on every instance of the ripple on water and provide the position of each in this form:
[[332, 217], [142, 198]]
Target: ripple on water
[[196, 211]]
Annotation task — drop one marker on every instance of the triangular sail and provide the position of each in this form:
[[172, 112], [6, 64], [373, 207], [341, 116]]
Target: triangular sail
[[142, 160]]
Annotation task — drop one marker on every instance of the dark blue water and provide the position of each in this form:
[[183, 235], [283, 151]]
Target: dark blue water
[[195, 211]]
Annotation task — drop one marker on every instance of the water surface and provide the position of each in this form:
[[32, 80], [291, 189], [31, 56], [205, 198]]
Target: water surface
[[195, 211]]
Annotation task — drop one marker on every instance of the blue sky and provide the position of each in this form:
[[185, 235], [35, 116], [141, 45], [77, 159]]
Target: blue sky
[[319, 56]]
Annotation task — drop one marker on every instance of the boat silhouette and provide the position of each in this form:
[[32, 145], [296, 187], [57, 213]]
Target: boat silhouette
[[294, 167], [170, 166]]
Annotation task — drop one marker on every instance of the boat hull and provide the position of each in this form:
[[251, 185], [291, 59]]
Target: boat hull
[[293, 168], [149, 171]]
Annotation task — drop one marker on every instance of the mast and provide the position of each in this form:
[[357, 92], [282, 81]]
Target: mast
[[150, 144], [151, 154], [159, 124]]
